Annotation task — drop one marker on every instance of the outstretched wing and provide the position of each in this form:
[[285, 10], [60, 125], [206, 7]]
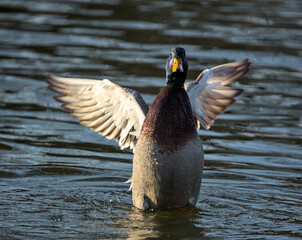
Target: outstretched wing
[[115, 112], [208, 95]]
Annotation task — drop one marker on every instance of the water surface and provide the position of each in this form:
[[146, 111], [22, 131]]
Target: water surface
[[59, 180]]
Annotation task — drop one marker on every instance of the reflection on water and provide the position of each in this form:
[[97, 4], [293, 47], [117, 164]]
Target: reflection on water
[[60, 180], [166, 224]]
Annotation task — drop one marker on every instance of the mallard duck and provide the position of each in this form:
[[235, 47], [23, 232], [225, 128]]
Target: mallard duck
[[168, 154]]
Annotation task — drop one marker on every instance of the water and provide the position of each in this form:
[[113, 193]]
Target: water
[[59, 180]]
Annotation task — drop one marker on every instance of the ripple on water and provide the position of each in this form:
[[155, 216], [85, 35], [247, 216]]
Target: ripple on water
[[59, 180]]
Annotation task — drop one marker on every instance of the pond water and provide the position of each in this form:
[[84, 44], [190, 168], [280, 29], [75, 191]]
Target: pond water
[[60, 180]]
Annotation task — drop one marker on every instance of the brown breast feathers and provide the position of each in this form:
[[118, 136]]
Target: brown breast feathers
[[169, 121]]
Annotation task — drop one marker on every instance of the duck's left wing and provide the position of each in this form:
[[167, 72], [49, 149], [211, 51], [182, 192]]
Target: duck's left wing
[[208, 95], [115, 112]]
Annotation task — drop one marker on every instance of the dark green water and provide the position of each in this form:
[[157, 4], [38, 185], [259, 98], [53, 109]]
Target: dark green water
[[59, 180]]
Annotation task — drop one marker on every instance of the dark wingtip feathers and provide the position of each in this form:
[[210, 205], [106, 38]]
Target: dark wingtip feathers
[[247, 65]]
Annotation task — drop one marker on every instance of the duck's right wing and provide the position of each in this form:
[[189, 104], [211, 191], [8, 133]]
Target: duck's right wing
[[115, 112]]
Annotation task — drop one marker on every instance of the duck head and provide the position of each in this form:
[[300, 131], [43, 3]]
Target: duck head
[[176, 67]]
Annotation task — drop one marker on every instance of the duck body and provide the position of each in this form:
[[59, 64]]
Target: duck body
[[168, 157]]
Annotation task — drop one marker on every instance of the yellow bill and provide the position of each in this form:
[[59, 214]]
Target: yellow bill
[[177, 64]]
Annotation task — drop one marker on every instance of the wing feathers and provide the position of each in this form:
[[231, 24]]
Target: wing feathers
[[229, 72], [227, 93], [208, 94], [103, 106], [88, 109]]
